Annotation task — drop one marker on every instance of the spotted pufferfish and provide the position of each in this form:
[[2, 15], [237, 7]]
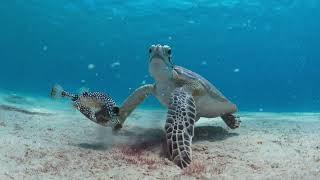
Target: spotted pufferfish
[[96, 106]]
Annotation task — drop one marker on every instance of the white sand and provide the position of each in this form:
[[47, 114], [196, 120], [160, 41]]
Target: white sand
[[67, 146]]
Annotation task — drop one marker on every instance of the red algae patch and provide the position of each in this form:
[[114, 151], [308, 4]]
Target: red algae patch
[[196, 168], [134, 155]]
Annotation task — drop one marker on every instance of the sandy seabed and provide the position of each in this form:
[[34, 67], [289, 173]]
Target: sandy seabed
[[47, 143]]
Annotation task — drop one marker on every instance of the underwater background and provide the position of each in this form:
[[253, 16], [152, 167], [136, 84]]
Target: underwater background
[[262, 54]]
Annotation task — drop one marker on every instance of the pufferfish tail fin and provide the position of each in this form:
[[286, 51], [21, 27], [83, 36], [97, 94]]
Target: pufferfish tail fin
[[58, 92]]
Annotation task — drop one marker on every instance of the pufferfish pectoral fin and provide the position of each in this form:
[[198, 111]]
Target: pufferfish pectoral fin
[[108, 117], [180, 127]]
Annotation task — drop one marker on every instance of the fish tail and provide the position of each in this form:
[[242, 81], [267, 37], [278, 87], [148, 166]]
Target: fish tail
[[58, 92]]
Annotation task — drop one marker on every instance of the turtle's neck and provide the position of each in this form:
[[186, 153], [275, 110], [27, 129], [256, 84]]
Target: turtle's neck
[[160, 71]]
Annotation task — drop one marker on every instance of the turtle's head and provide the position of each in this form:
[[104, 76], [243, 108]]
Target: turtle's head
[[160, 64]]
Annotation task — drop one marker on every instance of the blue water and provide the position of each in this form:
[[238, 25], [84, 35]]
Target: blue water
[[262, 54]]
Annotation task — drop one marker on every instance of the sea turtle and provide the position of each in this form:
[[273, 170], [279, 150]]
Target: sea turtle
[[96, 106], [187, 95]]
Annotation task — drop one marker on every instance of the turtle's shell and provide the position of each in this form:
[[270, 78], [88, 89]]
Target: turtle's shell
[[211, 89]]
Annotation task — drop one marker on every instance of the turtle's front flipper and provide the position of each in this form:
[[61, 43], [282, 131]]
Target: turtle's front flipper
[[137, 97], [180, 127]]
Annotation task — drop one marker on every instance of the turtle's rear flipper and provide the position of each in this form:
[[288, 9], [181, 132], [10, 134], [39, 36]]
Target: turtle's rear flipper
[[232, 121], [180, 127]]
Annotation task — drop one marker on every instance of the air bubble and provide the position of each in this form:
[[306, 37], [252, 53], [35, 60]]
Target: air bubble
[[102, 44], [91, 66], [204, 63], [115, 64]]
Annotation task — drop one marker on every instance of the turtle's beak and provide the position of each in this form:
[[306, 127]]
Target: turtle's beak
[[157, 52]]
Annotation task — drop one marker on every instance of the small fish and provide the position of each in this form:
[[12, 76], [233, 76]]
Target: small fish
[[96, 106]]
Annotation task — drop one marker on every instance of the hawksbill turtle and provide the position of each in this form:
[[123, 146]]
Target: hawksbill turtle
[[187, 95]]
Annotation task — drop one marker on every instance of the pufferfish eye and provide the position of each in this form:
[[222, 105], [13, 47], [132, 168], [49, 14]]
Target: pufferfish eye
[[150, 50], [169, 51]]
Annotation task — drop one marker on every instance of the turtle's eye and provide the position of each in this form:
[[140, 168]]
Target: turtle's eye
[[150, 50], [169, 51]]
